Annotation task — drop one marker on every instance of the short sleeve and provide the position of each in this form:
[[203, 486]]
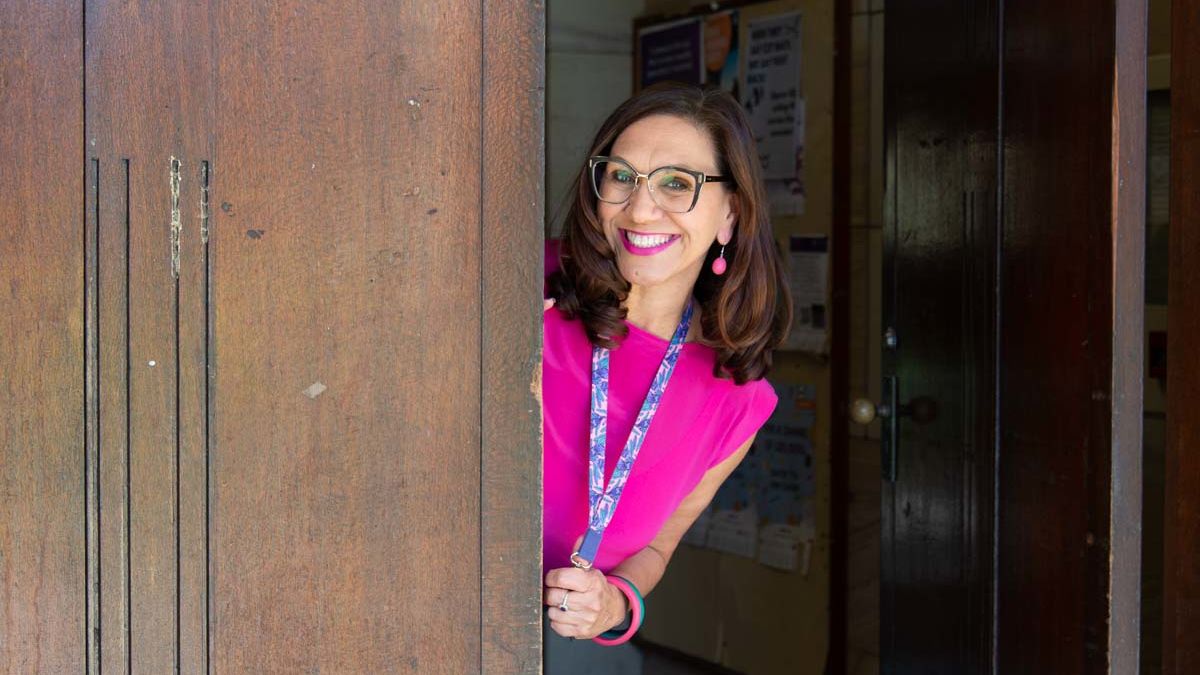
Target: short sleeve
[[750, 408]]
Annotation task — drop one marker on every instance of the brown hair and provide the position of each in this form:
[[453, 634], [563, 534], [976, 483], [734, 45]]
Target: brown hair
[[746, 312]]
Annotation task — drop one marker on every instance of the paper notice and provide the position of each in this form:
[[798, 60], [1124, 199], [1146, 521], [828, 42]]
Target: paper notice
[[774, 101], [808, 258]]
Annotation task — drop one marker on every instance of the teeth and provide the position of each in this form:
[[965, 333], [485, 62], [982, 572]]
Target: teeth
[[647, 240]]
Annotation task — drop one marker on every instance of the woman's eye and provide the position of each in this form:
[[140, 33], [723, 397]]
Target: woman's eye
[[622, 176], [676, 185]]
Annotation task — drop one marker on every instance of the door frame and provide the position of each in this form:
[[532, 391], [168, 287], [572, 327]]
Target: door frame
[[1181, 531]]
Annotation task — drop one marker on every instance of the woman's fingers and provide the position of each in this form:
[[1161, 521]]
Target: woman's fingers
[[574, 579], [572, 624], [553, 597], [567, 630], [584, 593], [578, 602], [547, 303]]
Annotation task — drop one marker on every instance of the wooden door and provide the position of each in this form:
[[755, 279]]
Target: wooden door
[[1013, 259], [304, 278], [942, 71], [44, 484], [1071, 293], [1181, 515]]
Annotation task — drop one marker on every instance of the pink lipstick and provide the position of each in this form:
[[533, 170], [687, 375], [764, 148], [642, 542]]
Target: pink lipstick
[[645, 244]]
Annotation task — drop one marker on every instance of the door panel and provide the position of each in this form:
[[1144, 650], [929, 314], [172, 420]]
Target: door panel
[[511, 461], [45, 561], [307, 264], [941, 215], [1181, 575], [346, 338], [147, 128], [1020, 320], [1070, 380]]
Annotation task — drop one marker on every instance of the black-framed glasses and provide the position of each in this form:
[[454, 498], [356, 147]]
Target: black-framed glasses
[[675, 189]]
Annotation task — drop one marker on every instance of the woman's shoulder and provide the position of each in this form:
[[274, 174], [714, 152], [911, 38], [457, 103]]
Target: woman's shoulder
[[560, 334], [723, 398], [752, 397], [736, 412], [553, 319]]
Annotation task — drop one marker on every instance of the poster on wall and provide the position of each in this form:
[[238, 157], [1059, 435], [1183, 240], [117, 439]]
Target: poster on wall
[[721, 51], [773, 96], [808, 280], [671, 51], [733, 521], [785, 503], [764, 510]]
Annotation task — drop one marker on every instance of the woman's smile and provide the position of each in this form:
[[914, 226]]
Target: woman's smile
[[646, 244]]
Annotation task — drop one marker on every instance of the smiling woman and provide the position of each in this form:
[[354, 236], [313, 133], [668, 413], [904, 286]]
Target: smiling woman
[[635, 267], [672, 131]]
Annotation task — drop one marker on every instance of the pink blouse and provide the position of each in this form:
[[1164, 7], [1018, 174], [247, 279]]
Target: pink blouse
[[701, 421]]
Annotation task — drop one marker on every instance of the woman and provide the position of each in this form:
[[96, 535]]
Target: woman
[[668, 302]]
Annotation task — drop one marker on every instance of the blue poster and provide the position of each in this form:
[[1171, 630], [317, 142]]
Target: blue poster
[[671, 51]]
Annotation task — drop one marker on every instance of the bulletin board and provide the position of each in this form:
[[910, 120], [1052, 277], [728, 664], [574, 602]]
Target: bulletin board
[[749, 601]]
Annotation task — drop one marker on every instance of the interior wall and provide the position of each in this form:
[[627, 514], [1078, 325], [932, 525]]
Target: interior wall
[[589, 64]]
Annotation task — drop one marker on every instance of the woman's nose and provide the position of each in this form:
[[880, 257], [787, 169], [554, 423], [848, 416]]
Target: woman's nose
[[641, 203]]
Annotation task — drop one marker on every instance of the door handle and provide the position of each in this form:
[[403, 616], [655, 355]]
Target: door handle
[[864, 411], [921, 409]]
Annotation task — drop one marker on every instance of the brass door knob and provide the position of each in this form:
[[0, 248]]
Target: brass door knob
[[863, 411], [921, 409]]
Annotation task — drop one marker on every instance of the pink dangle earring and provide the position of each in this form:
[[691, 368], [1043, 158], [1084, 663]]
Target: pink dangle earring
[[718, 266]]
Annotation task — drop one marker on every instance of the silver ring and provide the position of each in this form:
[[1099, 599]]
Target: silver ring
[[563, 605]]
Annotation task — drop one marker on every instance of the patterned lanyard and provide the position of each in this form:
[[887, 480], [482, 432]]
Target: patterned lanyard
[[602, 502]]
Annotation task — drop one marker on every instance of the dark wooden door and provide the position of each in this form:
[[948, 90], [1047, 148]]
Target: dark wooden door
[[942, 73], [282, 261], [1013, 282], [1181, 515]]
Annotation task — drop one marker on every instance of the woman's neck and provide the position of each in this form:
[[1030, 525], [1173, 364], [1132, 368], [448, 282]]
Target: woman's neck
[[657, 309]]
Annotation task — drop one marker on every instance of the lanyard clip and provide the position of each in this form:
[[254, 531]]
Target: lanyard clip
[[586, 555]]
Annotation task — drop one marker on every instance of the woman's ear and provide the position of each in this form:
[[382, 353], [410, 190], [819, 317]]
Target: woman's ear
[[725, 234]]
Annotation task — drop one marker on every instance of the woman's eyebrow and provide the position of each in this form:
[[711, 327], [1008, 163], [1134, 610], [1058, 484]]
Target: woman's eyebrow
[[677, 165]]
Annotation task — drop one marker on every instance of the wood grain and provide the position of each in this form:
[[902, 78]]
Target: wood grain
[[147, 122], [45, 560], [1181, 578], [1070, 470], [1127, 235], [263, 377], [511, 234], [346, 420], [939, 273]]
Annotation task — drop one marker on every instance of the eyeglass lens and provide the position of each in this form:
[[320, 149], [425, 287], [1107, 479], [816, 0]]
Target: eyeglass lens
[[673, 190]]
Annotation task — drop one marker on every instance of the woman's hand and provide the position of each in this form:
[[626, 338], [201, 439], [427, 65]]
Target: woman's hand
[[593, 604], [547, 303]]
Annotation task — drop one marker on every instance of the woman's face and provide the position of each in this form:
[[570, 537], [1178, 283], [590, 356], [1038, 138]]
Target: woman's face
[[655, 247]]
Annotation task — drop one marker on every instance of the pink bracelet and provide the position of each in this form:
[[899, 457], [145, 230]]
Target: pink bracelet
[[636, 605]]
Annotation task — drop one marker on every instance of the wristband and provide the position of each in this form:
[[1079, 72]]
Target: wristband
[[637, 605]]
